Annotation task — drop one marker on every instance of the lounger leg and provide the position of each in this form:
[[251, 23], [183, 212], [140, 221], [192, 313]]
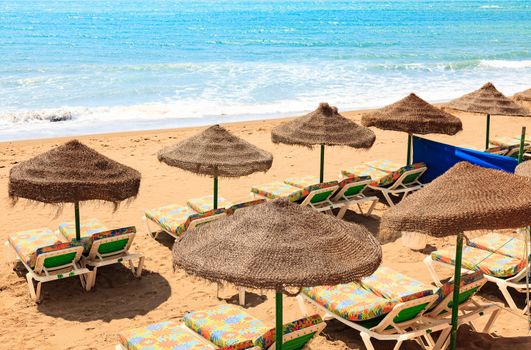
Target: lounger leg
[[359, 207], [342, 211], [398, 345], [241, 296], [367, 341], [91, 278], [429, 264], [302, 305], [153, 235], [371, 208], [442, 342], [507, 296], [34, 293], [140, 267], [388, 199], [491, 320]]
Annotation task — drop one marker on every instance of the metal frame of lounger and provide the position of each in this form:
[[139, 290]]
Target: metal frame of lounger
[[41, 274], [503, 284], [193, 224], [96, 259], [399, 186], [343, 202], [413, 329]]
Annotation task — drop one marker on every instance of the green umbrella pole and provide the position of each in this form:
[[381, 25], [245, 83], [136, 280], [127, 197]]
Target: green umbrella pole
[[409, 139], [487, 139], [78, 222], [522, 141], [321, 174], [215, 192], [279, 332], [457, 283]]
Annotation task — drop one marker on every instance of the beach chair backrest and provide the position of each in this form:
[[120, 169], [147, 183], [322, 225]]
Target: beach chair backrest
[[231, 210], [198, 219], [319, 193], [296, 334], [352, 187], [470, 284], [57, 256], [111, 242]]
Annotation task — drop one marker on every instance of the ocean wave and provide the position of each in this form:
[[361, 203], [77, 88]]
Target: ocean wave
[[44, 115], [505, 63], [490, 7]]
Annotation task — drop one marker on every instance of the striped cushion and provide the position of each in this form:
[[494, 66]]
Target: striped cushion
[[501, 244], [88, 228], [350, 301], [278, 189], [171, 218], [489, 263], [447, 288], [395, 175], [206, 203], [268, 338], [363, 170], [384, 164], [166, 335], [244, 204], [302, 181], [27, 242], [225, 325], [391, 284]]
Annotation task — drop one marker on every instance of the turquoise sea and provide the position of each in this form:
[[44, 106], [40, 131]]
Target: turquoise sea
[[117, 65]]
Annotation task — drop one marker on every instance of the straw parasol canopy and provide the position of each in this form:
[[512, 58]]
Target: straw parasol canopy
[[523, 169], [324, 126], [414, 116], [217, 152], [523, 96], [487, 100], [465, 198], [276, 245], [72, 173]]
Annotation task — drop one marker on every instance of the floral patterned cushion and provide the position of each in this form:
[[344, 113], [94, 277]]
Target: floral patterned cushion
[[206, 203], [268, 338], [88, 228], [26, 243], [489, 263], [501, 244], [395, 175], [447, 288], [506, 141], [350, 301], [384, 164], [278, 189], [391, 284], [171, 217], [302, 181], [244, 204], [363, 170], [225, 325], [166, 335]]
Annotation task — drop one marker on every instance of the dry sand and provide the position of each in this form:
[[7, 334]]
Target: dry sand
[[69, 318]]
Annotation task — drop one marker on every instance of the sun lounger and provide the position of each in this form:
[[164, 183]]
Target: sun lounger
[[222, 327], [316, 196], [508, 146], [46, 258], [88, 228], [505, 271], [400, 182], [240, 205], [350, 191], [111, 247], [206, 203], [175, 219], [391, 306]]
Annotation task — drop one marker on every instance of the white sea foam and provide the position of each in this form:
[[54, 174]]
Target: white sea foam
[[490, 7], [505, 63]]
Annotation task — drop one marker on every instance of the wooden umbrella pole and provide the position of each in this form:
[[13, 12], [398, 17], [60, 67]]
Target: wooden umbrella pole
[[457, 283], [522, 142], [78, 222], [487, 139], [279, 332], [321, 173], [215, 192]]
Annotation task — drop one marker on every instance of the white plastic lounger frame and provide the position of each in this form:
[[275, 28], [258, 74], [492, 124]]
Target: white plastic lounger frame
[[41, 274], [323, 205], [414, 329], [343, 202], [96, 259], [399, 187], [193, 224], [516, 282]]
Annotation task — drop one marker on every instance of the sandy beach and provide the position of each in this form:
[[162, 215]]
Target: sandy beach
[[69, 318]]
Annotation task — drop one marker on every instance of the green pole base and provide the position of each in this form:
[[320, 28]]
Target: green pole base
[[457, 283], [279, 332]]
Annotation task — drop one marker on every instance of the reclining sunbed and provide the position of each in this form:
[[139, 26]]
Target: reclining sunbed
[[223, 327]]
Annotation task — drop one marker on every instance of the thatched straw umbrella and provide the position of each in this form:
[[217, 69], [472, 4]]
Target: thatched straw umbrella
[[414, 116], [523, 98], [523, 169], [73, 173], [465, 198], [277, 245], [218, 153], [324, 127], [487, 100]]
